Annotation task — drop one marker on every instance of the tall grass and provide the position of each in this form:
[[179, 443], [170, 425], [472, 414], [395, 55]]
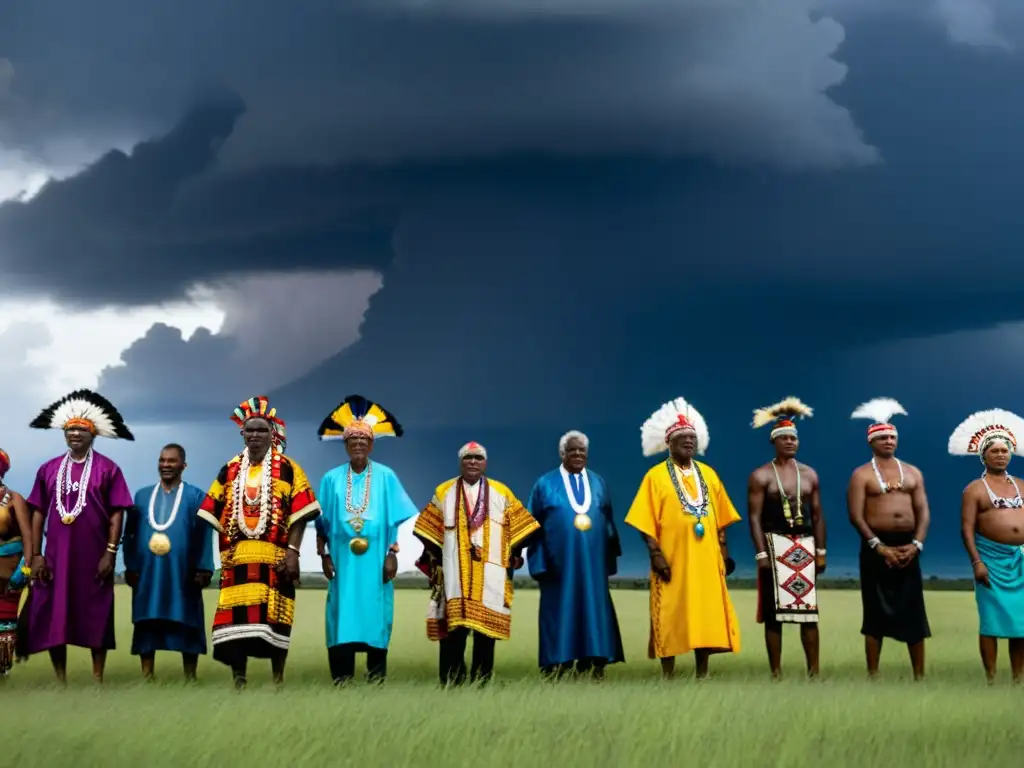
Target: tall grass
[[738, 717]]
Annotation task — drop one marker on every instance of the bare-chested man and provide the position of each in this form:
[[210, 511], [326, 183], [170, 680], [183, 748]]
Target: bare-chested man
[[888, 506], [788, 530], [992, 525]]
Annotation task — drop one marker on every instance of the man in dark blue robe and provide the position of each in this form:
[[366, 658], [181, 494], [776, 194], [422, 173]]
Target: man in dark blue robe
[[571, 557], [168, 560]]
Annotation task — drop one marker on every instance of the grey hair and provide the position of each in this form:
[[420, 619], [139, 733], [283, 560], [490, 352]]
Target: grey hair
[[563, 441]]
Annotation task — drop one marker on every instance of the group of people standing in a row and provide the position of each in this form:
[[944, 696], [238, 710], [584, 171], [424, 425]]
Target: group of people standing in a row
[[474, 532]]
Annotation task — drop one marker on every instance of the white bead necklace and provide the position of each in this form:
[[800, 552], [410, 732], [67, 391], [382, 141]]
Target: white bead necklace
[[65, 487], [161, 527], [579, 509], [240, 492], [881, 480]]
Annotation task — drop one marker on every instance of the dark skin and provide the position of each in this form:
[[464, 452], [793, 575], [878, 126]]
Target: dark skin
[[170, 467], [358, 448], [682, 448], [79, 441], [1005, 526], [903, 510], [762, 483], [23, 521], [257, 434]]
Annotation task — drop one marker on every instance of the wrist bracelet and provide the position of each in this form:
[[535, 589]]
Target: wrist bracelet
[[761, 556], [918, 544], [819, 552], [293, 548], [112, 549], [975, 562], [874, 542]]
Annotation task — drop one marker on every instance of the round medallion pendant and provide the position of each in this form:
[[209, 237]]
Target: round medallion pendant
[[582, 522], [68, 519], [159, 544], [358, 545], [699, 530]]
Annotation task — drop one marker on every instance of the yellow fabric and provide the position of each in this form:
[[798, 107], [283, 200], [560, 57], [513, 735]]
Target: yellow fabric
[[469, 608], [693, 610]]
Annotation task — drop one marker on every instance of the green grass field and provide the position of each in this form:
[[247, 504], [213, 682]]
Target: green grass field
[[738, 717]]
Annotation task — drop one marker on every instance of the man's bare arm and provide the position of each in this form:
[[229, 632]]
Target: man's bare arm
[[856, 498], [922, 514], [817, 516], [968, 523], [38, 517], [651, 543], [755, 508]]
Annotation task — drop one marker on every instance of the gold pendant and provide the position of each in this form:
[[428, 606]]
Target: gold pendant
[[358, 545], [582, 522], [68, 519], [159, 544]]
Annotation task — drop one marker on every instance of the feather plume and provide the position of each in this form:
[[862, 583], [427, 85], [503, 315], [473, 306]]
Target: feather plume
[[89, 406], [791, 407], [879, 410], [652, 433], [969, 435], [357, 408]]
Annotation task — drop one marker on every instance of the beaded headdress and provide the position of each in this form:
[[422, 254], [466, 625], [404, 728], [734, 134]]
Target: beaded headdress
[[472, 449], [879, 410], [5, 463], [255, 408], [356, 415], [978, 431], [86, 410], [784, 415], [671, 418]]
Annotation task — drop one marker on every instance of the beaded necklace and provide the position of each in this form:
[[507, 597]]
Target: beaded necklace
[[787, 511], [881, 479], [698, 508], [357, 512]]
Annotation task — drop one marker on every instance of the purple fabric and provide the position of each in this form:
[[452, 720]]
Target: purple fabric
[[75, 608]]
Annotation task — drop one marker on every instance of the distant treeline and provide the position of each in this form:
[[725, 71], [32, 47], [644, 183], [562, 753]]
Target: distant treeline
[[416, 581]]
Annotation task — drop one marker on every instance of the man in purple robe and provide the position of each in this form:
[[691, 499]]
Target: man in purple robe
[[78, 502]]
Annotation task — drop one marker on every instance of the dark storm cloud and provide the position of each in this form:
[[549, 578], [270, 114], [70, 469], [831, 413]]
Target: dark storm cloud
[[331, 82], [130, 230]]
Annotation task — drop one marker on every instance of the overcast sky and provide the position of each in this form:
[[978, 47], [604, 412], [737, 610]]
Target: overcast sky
[[508, 218]]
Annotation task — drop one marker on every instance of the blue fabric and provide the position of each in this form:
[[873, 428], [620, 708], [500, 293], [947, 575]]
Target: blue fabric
[[152, 636], [577, 616], [166, 590], [360, 606], [11, 548], [18, 579], [1001, 606]]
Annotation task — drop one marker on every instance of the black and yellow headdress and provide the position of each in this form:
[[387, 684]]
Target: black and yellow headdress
[[356, 415]]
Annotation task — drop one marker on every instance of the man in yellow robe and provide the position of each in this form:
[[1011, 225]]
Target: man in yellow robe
[[682, 511], [473, 531]]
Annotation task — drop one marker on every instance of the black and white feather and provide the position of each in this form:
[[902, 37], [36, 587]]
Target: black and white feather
[[84, 404]]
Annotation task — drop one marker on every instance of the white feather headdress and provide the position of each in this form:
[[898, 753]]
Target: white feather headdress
[[879, 410], [974, 433], [783, 413], [653, 431], [87, 409]]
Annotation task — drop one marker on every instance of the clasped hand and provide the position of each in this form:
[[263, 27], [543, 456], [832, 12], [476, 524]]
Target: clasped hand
[[898, 557]]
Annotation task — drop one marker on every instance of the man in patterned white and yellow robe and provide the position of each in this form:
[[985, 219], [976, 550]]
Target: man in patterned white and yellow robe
[[473, 531]]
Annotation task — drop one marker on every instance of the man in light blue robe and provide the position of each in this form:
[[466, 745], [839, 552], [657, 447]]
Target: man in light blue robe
[[363, 503], [571, 557], [168, 560]]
